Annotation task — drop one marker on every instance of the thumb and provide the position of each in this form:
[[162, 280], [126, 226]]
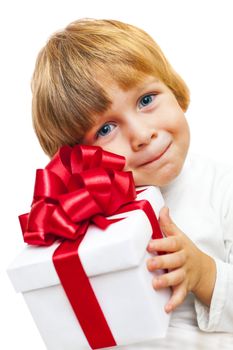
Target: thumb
[[166, 224]]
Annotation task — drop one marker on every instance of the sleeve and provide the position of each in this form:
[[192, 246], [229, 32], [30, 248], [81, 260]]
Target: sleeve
[[219, 316]]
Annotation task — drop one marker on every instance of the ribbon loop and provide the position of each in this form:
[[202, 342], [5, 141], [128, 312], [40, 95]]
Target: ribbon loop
[[78, 184], [48, 185], [79, 205]]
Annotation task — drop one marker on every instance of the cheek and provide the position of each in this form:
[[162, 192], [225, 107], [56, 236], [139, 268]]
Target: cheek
[[183, 133], [116, 147], [179, 126]]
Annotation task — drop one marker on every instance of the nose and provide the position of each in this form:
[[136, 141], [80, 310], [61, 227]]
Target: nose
[[141, 135]]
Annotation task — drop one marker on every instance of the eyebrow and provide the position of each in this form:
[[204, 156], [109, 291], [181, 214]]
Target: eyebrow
[[145, 84]]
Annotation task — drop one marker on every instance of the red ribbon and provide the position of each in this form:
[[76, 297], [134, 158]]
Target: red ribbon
[[80, 185]]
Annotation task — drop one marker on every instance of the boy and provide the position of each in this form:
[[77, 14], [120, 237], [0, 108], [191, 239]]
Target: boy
[[107, 83]]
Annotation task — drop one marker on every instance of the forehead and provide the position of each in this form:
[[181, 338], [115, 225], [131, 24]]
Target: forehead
[[126, 75], [113, 89]]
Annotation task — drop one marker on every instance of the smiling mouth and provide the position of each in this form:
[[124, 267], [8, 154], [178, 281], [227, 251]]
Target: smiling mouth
[[156, 158]]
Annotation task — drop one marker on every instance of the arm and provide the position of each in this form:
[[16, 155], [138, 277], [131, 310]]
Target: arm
[[219, 316], [189, 269], [213, 300]]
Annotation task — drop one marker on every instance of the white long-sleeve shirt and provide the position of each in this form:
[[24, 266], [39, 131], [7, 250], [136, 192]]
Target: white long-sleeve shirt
[[200, 200]]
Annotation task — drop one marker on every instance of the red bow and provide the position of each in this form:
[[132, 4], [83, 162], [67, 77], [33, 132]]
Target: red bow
[[79, 185]]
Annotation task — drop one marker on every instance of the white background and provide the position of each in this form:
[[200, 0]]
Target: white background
[[195, 35]]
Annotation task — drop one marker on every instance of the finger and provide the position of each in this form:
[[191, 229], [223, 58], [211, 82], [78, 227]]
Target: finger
[[167, 226], [168, 244], [167, 261], [178, 296], [169, 279]]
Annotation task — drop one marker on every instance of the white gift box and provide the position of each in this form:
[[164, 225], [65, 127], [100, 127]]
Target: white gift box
[[115, 261]]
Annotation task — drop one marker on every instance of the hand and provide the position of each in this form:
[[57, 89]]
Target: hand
[[189, 269]]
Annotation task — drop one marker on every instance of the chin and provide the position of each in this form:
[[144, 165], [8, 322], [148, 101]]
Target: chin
[[170, 173], [162, 178]]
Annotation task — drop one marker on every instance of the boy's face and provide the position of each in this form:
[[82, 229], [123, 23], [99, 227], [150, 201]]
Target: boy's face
[[148, 127]]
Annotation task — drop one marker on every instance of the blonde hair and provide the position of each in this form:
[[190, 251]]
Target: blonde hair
[[67, 84]]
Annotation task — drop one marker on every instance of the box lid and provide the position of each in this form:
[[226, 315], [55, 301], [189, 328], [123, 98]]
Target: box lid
[[121, 246]]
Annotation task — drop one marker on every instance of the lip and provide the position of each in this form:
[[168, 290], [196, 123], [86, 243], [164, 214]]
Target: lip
[[156, 158]]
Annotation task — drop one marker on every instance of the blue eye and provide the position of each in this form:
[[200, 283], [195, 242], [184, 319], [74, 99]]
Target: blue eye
[[146, 100], [105, 130]]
